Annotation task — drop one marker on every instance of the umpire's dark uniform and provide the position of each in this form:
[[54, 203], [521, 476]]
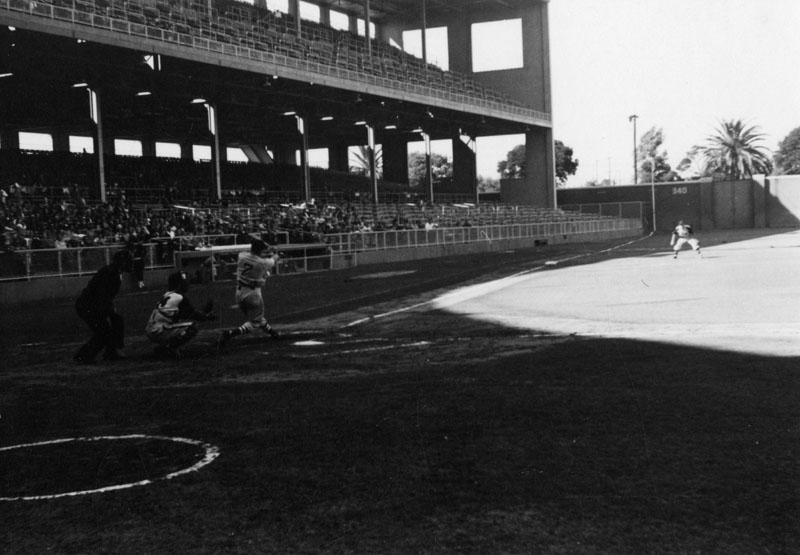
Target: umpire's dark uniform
[[95, 306]]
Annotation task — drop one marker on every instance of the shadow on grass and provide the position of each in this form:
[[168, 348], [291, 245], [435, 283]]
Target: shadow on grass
[[430, 444]]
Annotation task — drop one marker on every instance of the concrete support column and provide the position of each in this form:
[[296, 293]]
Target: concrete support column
[[540, 175], [60, 141], [465, 167], [148, 147], [294, 10], [339, 157], [109, 147], [9, 138], [187, 150], [302, 128], [373, 170], [101, 140], [395, 158], [458, 35], [285, 154]]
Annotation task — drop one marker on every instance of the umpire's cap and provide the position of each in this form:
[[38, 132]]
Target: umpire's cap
[[122, 260]]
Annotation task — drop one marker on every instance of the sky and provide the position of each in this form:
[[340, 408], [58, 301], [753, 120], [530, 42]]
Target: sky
[[681, 65]]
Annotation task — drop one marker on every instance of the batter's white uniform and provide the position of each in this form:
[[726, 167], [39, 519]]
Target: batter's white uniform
[[251, 274]]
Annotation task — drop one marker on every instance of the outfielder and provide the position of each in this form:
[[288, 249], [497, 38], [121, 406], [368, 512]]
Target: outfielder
[[252, 269], [682, 234], [172, 322]]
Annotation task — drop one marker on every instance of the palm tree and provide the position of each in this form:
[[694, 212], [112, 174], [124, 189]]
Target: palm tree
[[734, 151], [360, 160]]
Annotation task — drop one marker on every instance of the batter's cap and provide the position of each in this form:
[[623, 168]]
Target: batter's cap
[[258, 245]]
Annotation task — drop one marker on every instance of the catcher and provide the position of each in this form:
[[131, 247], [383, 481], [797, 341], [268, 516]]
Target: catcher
[[682, 234], [172, 323]]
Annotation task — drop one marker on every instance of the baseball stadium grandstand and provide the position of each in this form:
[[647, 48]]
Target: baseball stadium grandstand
[[181, 125], [237, 74]]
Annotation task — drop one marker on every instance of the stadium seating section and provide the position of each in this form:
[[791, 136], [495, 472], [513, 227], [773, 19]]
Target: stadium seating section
[[46, 201], [244, 25], [49, 200]]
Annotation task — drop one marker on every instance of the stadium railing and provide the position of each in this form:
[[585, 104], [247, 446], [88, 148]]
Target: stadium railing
[[633, 209], [59, 263], [415, 238], [23, 265]]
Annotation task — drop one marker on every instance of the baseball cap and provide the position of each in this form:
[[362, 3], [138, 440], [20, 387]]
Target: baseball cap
[[258, 245]]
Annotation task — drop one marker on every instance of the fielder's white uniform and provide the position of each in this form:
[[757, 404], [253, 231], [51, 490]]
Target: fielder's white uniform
[[683, 234]]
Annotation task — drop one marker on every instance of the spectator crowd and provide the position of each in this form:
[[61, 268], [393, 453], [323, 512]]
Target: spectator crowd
[[35, 222]]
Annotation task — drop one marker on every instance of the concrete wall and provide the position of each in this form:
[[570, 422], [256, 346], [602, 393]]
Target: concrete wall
[[782, 201], [519, 191], [754, 203]]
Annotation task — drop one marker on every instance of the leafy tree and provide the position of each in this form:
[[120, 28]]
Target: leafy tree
[[488, 184], [515, 163], [600, 183], [441, 168], [652, 157], [565, 165], [692, 165], [787, 158], [734, 151]]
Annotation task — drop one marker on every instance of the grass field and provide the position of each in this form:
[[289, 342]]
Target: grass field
[[385, 424]]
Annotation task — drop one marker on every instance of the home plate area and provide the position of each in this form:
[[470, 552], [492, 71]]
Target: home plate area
[[400, 344]]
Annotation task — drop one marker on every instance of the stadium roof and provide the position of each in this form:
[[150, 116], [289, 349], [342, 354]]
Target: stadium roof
[[138, 101], [42, 95], [411, 9]]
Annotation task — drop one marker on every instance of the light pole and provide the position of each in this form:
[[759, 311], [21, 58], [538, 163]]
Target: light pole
[[653, 189], [633, 118]]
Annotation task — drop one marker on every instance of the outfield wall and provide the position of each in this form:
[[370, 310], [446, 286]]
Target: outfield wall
[[782, 198], [772, 202]]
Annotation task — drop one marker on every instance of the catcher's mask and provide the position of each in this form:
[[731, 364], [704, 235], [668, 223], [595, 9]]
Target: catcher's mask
[[178, 282]]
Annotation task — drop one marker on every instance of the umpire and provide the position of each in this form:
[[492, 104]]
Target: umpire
[[95, 306]]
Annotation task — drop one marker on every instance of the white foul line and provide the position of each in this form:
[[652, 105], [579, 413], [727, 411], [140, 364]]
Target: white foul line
[[366, 350], [470, 292]]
